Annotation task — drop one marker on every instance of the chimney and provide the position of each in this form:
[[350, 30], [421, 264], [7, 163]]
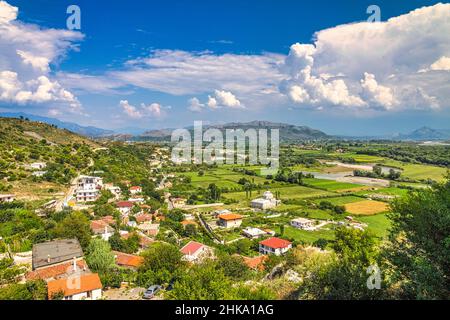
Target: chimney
[[74, 264]]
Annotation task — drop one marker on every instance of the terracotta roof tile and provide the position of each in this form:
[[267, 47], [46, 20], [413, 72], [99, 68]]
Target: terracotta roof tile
[[55, 271], [191, 248], [230, 216], [69, 287], [128, 260], [124, 204], [275, 243]]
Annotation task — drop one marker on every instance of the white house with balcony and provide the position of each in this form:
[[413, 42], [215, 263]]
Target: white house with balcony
[[88, 188]]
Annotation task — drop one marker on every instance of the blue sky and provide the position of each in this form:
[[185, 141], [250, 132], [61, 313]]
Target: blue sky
[[156, 64]]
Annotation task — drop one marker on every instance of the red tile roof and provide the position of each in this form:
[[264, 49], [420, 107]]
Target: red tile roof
[[128, 260], [191, 248], [109, 219], [124, 204], [69, 287], [99, 225], [186, 222], [230, 216], [55, 271], [275, 243], [135, 188], [143, 217]]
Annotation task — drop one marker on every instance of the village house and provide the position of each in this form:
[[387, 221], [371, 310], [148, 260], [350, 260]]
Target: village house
[[55, 252], [302, 223], [7, 198], [144, 217], [82, 287], [38, 165], [126, 260], [148, 228], [266, 202], [274, 246], [196, 252], [124, 207], [115, 190], [230, 220], [102, 228], [253, 233], [135, 190], [178, 202], [38, 173], [61, 264], [88, 189], [59, 271], [269, 232]]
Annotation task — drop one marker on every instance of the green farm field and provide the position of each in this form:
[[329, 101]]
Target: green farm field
[[418, 171], [330, 185], [289, 192]]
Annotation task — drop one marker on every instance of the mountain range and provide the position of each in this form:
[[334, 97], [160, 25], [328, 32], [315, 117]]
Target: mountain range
[[88, 131], [288, 132]]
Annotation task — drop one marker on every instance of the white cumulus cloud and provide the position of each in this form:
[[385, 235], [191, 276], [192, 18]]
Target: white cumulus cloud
[[153, 110], [26, 54], [374, 65]]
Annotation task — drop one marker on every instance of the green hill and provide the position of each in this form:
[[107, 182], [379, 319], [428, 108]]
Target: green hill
[[24, 142]]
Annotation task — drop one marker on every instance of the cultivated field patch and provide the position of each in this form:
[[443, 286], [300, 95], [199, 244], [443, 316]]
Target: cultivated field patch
[[366, 207]]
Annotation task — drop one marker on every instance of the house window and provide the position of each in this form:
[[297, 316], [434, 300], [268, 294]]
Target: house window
[[89, 294]]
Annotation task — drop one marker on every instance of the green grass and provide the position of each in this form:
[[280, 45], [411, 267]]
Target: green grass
[[339, 201], [419, 171], [360, 158], [288, 192], [306, 236], [391, 191], [330, 185], [223, 177], [379, 224]]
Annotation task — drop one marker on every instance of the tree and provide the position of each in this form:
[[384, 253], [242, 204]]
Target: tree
[[99, 256], [76, 225], [214, 192], [339, 209], [419, 250], [343, 276], [31, 290], [202, 282], [162, 263], [129, 245], [190, 230], [233, 267]]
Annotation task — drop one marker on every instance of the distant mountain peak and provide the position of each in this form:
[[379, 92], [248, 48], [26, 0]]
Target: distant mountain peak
[[426, 133], [288, 132]]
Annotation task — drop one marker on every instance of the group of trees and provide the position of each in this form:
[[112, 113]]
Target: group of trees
[[413, 264], [326, 205], [377, 172]]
